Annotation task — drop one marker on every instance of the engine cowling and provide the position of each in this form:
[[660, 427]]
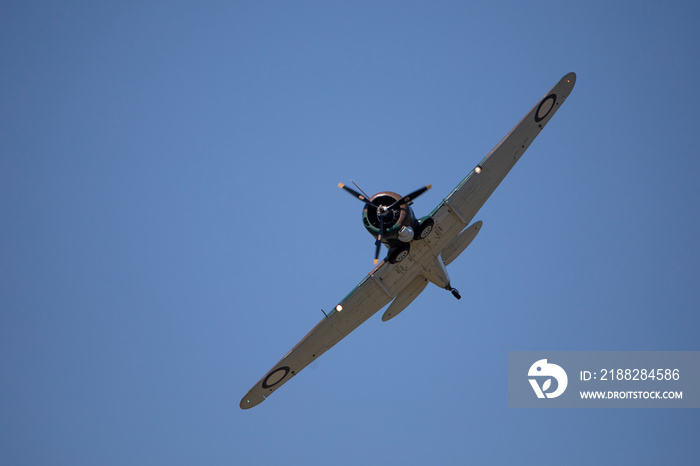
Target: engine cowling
[[400, 216], [389, 218]]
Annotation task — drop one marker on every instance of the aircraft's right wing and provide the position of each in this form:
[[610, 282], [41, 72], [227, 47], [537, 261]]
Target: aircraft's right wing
[[461, 205], [374, 292]]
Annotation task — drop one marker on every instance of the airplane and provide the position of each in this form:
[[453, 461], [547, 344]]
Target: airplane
[[419, 248]]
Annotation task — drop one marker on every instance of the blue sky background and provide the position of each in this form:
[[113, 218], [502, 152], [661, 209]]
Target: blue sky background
[[170, 226]]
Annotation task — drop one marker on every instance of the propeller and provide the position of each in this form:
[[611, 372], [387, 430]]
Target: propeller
[[356, 194], [378, 243], [410, 197], [382, 211]]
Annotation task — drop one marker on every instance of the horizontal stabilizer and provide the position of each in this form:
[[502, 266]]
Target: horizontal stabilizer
[[460, 243], [405, 297]]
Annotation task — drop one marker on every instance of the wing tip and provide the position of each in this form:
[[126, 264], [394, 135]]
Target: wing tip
[[569, 81], [250, 400]]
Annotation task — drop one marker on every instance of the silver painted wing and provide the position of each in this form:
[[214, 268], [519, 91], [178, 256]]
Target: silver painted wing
[[459, 208], [377, 289], [372, 294]]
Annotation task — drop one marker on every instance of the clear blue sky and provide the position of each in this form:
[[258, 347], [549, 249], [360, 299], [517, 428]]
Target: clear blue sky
[[170, 226]]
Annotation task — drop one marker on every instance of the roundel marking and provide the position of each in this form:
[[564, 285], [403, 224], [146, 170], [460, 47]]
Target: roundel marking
[[275, 377], [545, 107]]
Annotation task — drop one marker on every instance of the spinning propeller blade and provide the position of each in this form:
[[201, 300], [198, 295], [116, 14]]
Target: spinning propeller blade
[[356, 194], [378, 243], [410, 197]]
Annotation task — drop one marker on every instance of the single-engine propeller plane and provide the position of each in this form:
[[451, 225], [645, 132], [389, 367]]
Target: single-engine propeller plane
[[419, 248]]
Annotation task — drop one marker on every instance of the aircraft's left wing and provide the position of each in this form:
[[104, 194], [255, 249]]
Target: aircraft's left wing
[[458, 209]]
